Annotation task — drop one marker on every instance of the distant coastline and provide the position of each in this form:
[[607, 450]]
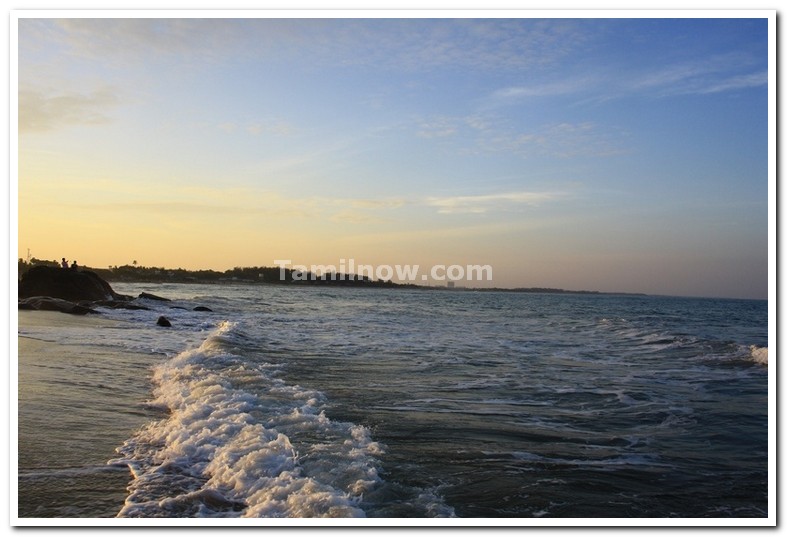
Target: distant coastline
[[272, 276]]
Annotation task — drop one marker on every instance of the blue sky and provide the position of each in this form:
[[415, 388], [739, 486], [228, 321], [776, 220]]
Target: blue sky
[[617, 154]]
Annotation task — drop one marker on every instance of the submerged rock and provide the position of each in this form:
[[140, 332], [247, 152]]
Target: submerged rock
[[202, 308], [46, 303], [163, 321], [153, 297]]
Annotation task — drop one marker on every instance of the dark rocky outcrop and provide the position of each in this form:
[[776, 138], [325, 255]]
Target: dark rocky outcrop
[[78, 292], [46, 303], [66, 284]]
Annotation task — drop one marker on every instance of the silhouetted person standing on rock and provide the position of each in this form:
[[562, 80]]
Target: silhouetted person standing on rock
[[64, 263], [74, 265]]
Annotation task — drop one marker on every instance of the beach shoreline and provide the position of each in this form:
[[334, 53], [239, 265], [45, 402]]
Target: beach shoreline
[[69, 420]]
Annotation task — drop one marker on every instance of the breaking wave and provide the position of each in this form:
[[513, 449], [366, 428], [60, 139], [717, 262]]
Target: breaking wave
[[237, 441]]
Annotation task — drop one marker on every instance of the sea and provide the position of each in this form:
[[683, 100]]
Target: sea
[[289, 401]]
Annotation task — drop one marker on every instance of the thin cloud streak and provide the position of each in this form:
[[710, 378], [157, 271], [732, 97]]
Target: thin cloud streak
[[753, 80], [514, 94], [488, 202], [713, 75]]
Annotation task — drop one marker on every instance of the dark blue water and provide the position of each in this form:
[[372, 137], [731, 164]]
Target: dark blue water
[[398, 403]]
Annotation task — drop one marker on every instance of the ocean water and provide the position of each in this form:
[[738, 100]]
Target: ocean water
[[341, 402]]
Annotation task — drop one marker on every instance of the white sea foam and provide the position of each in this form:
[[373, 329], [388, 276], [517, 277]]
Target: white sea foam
[[228, 450], [759, 354]]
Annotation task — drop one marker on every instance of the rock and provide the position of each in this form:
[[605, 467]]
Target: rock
[[66, 284], [45, 303], [163, 321], [202, 308], [153, 297]]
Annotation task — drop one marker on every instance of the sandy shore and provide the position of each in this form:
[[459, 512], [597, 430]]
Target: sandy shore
[[57, 319]]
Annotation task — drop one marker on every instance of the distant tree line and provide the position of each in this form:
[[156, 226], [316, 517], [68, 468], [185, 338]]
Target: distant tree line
[[269, 275], [272, 275]]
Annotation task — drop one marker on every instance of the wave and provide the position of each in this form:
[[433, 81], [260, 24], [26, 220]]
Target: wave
[[239, 442]]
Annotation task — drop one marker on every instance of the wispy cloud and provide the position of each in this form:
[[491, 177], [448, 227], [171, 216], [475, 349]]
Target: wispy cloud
[[569, 86], [494, 133], [438, 127], [484, 44], [489, 202], [412, 44], [40, 112], [728, 83], [715, 74], [722, 72], [752, 80], [140, 39], [566, 140]]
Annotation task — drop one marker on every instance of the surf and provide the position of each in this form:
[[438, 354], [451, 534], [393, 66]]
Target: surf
[[237, 441]]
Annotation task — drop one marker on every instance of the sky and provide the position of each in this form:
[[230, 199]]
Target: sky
[[607, 154]]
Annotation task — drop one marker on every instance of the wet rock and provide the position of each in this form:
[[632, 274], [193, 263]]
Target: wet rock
[[46, 303], [163, 321], [150, 296], [202, 308]]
